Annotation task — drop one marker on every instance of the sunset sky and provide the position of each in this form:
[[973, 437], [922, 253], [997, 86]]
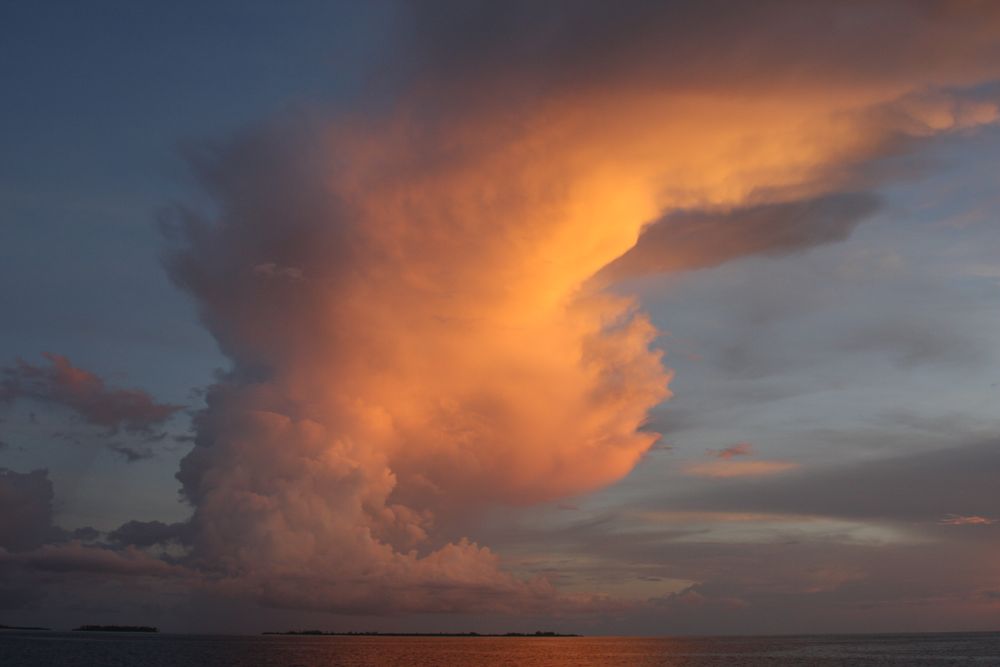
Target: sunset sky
[[600, 317]]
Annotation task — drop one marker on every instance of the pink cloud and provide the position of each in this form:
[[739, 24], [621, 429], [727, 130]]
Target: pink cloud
[[726, 468], [62, 383], [962, 520], [739, 449]]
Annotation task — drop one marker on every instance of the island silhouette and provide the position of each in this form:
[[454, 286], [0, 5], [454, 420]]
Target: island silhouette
[[321, 633]]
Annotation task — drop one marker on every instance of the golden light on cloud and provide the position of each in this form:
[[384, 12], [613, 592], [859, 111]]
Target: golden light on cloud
[[420, 312], [417, 316]]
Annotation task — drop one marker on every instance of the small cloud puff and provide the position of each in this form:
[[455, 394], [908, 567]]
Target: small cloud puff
[[726, 467], [739, 449]]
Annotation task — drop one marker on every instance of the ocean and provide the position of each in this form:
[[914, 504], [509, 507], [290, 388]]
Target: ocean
[[77, 649]]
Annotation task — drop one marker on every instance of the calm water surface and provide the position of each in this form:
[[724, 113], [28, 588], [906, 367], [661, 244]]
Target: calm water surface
[[33, 649]]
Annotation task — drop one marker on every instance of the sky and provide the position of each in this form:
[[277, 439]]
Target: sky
[[609, 318]]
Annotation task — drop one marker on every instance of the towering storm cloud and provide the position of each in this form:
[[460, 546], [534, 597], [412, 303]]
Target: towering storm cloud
[[426, 301], [419, 347], [408, 297]]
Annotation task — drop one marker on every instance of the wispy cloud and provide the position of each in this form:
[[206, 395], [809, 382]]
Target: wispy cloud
[[62, 383], [725, 468], [960, 520]]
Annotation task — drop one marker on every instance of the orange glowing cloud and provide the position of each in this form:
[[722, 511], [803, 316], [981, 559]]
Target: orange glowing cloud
[[419, 324]]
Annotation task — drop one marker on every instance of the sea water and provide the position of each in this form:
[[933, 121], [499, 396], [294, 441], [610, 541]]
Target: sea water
[[76, 649]]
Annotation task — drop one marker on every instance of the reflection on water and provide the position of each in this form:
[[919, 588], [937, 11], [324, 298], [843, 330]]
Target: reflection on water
[[31, 649]]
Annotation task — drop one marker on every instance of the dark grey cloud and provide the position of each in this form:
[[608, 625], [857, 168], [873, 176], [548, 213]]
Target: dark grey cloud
[[85, 534], [26, 513], [131, 454], [922, 486], [73, 557], [39, 559], [85, 393], [681, 45], [150, 533], [686, 240]]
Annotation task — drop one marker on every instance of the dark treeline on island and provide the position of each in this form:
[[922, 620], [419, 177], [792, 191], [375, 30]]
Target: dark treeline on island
[[320, 633], [21, 627], [115, 628]]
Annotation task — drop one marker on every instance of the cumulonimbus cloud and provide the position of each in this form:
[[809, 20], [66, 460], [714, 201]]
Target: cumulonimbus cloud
[[451, 349], [415, 300]]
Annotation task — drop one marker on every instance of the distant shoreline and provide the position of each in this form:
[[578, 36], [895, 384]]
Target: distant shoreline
[[320, 633]]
